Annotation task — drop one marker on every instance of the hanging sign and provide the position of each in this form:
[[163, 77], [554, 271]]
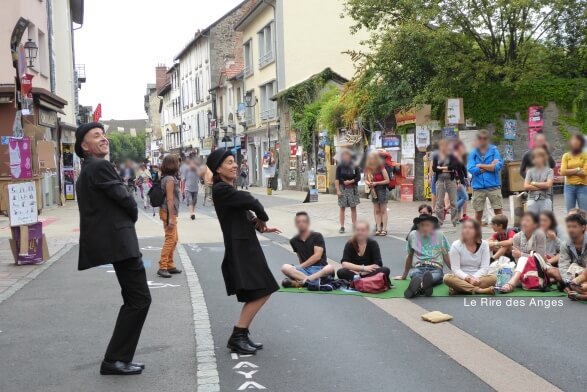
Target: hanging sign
[[23, 203], [422, 137], [69, 181], [535, 117], [21, 165], [510, 129], [408, 146], [26, 85], [449, 132], [455, 113]]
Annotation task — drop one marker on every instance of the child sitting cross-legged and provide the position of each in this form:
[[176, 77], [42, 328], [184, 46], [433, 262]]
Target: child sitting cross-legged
[[427, 253], [502, 240]]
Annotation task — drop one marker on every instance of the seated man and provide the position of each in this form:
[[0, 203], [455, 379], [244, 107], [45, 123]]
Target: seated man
[[502, 240], [578, 287], [573, 255], [311, 250], [427, 252], [424, 209]]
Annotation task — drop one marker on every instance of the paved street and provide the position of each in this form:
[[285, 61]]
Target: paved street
[[56, 327]]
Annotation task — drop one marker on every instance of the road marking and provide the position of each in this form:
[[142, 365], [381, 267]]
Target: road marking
[[207, 371], [149, 247], [158, 285], [250, 385]]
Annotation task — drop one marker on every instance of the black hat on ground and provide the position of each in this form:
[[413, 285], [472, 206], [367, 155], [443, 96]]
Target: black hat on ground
[[80, 133], [216, 158], [426, 218]]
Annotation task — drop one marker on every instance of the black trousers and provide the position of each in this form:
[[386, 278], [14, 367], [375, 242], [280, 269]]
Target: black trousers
[[347, 274], [131, 317]]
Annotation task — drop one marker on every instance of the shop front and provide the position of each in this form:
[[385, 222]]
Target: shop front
[[261, 154]]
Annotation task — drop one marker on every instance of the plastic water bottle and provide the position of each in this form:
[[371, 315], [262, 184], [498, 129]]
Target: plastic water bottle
[[503, 277], [356, 277]]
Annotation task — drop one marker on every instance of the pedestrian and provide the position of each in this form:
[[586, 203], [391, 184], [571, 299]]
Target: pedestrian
[[485, 164], [206, 176], [538, 182], [183, 169], [377, 179], [244, 267], [539, 142], [155, 177], [108, 213], [143, 183], [168, 214], [445, 166], [244, 174], [348, 176], [574, 169], [192, 182], [462, 175]]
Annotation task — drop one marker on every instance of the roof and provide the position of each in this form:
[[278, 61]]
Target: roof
[[165, 89], [253, 13], [203, 32], [139, 125], [327, 72]]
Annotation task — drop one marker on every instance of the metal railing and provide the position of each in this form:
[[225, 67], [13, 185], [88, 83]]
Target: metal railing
[[266, 58]]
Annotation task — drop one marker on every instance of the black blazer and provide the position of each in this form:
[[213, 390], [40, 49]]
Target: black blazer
[[453, 167], [108, 213], [244, 267]]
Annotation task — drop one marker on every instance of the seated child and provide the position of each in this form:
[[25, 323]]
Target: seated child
[[311, 250], [502, 240], [427, 253]]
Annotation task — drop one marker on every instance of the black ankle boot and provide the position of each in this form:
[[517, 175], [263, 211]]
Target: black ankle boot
[[239, 342], [256, 346]]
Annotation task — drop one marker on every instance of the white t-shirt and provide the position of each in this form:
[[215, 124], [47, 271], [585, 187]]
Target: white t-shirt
[[465, 263]]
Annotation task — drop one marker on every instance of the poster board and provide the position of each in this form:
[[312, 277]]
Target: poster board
[[405, 117], [22, 199], [468, 137], [455, 112], [46, 154], [510, 129], [422, 137], [321, 182], [423, 115], [408, 146], [21, 162], [37, 251]]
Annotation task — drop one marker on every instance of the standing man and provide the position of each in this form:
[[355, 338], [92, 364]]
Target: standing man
[[485, 165], [207, 176], [192, 182], [108, 213], [539, 142], [183, 171]]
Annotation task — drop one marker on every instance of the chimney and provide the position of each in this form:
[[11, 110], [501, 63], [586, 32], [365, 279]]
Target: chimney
[[160, 76]]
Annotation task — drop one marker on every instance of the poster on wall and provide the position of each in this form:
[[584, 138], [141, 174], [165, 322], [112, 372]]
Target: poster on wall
[[67, 149], [21, 163], [392, 142], [321, 182], [408, 146], [510, 129], [535, 117], [508, 152], [422, 137], [427, 188], [69, 184], [423, 115], [434, 125], [405, 117], [394, 155], [293, 150], [23, 203], [408, 167], [468, 137], [455, 113], [292, 177], [376, 139], [449, 132], [34, 254]]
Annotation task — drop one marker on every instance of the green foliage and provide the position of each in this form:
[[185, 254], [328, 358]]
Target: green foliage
[[123, 146]]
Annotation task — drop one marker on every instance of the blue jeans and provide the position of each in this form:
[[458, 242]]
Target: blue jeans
[[311, 270], [462, 197], [433, 185], [575, 195], [418, 272]]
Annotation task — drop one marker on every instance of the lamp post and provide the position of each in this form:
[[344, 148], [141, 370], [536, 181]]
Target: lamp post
[[31, 50]]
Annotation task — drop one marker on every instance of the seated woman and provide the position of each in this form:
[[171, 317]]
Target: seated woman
[[361, 256], [549, 227], [529, 239], [469, 259]]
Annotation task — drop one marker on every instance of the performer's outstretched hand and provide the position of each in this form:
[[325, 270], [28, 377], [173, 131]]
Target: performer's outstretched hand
[[272, 230]]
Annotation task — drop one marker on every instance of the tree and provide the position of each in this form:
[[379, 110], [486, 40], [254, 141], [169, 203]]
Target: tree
[[123, 146]]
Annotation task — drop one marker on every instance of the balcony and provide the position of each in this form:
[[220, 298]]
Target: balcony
[[248, 71], [249, 118], [80, 74], [266, 59], [268, 114]]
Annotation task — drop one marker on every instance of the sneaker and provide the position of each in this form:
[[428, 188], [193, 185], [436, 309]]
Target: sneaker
[[464, 218], [427, 287], [193, 217], [174, 271], [413, 288], [164, 273], [287, 283], [341, 230]]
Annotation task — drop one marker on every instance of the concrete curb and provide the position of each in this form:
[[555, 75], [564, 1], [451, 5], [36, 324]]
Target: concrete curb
[[207, 372]]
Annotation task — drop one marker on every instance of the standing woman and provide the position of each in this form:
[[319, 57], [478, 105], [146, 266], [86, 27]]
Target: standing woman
[[538, 183], [347, 179], [574, 169], [445, 165], [168, 214], [460, 154], [377, 179], [244, 267]]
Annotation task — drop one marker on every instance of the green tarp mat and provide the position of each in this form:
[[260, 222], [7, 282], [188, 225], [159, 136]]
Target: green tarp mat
[[439, 291]]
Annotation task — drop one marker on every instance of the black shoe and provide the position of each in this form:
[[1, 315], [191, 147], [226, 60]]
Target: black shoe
[[164, 273], [137, 364], [193, 217], [427, 287], [413, 288], [341, 230], [239, 342], [174, 271], [257, 346], [119, 368]]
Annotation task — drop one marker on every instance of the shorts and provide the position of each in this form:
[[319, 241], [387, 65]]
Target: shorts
[[349, 197], [311, 270], [382, 193], [191, 198], [433, 184], [494, 196]]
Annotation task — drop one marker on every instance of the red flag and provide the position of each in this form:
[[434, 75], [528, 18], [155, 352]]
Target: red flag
[[26, 85], [98, 113]]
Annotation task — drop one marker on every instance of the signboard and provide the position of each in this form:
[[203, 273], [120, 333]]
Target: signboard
[[21, 163], [293, 150], [535, 117], [313, 195], [321, 182], [26, 85], [455, 113], [208, 143], [469, 138], [531, 134], [67, 150], [510, 129], [408, 167], [34, 254], [422, 137], [508, 152], [405, 117], [449, 132], [23, 203], [408, 146], [48, 118], [46, 154], [69, 182], [376, 139], [423, 115], [292, 177], [391, 142]]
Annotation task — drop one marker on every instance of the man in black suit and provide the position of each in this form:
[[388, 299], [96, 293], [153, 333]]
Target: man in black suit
[[108, 213]]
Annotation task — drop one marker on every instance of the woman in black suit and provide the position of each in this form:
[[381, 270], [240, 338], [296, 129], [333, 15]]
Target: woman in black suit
[[244, 267]]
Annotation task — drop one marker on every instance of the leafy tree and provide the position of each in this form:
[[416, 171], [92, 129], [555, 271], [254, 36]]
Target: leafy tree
[[123, 146]]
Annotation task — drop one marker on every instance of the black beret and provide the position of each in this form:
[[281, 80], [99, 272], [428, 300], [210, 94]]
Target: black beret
[[216, 158], [80, 133], [426, 218]]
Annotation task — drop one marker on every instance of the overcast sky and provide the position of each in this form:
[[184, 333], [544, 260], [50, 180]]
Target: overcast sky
[[122, 41]]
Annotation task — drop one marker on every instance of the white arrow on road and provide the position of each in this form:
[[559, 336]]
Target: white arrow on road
[[248, 375], [156, 285], [245, 364], [251, 385]]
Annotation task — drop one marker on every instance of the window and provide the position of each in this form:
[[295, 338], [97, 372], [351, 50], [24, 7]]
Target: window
[[268, 107], [248, 48], [266, 46]]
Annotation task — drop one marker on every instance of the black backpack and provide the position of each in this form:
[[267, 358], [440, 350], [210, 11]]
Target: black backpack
[[156, 194]]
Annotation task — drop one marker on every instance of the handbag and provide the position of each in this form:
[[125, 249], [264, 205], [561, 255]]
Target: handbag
[[371, 284]]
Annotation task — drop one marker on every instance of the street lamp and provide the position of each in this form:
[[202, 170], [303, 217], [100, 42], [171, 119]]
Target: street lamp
[[249, 99], [31, 49]]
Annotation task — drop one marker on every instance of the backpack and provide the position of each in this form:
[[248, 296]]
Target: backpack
[[390, 168], [534, 275], [156, 194], [372, 284]]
